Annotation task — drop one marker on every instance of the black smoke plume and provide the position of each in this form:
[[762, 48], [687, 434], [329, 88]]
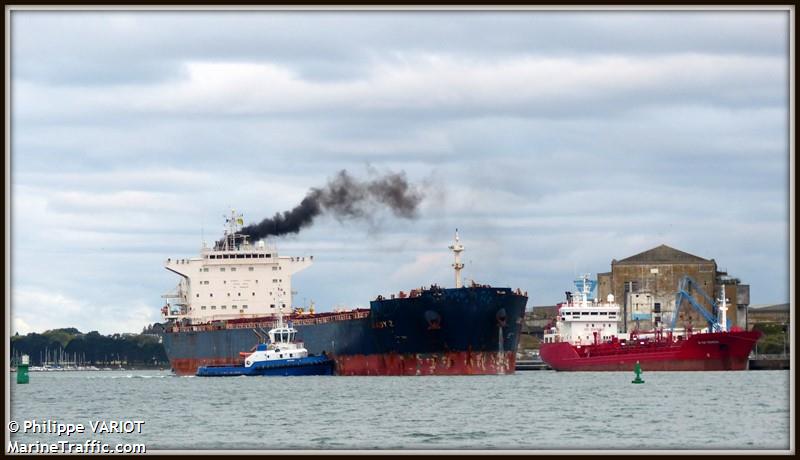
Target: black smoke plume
[[345, 197]]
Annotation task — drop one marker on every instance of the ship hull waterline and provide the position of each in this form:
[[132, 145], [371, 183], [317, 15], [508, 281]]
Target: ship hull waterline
[[453, 363], [311, 365]]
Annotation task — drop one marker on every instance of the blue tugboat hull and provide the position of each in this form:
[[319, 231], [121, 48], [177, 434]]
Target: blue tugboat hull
[[312, 365]]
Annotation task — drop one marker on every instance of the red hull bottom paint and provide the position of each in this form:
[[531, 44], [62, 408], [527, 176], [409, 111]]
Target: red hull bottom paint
[[446, 363], [727, 351]]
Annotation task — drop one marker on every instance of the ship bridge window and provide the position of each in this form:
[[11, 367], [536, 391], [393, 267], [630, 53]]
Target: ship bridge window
[[594, 313], [226, 256]]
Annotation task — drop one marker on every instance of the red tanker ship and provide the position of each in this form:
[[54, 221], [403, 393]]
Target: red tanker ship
[[585, 338]]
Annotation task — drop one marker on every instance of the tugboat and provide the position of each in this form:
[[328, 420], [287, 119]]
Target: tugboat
[[282, 356]]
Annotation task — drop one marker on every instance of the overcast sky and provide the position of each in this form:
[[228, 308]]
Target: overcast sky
[[554, 141]]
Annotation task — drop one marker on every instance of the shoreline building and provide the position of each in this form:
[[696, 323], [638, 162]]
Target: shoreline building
[[645, 285]]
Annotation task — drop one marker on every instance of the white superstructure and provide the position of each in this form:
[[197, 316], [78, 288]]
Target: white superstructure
[[582, 321], [234, 279]]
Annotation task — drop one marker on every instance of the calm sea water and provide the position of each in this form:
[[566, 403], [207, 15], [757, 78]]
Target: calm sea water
[[537, 410]]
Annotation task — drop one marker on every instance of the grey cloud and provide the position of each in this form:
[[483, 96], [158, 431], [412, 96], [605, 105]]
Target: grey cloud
[[150, 46], [108, 180]]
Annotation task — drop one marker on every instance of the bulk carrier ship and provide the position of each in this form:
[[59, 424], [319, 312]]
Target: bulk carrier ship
[[585, 338], [229, 297]]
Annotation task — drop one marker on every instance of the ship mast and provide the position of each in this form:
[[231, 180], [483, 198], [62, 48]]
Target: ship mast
[[723, 311], [457, 248], [585, 291], [233, 223]]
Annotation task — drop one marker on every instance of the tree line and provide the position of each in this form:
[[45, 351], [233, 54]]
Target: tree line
[[92, 348]]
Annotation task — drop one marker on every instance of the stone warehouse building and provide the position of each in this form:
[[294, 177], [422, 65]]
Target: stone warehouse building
[[645, 285]]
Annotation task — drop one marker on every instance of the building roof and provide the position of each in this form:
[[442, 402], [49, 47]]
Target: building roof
[[661, 254], [770, 307]]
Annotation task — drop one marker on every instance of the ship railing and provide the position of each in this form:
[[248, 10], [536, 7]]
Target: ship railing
[[256, 324]]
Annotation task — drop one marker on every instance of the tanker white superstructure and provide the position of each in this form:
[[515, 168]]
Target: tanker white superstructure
[[582, 321], [234, 279]]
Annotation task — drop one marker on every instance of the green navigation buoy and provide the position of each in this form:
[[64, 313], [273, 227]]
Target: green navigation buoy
[[638, 370], [22, 370]]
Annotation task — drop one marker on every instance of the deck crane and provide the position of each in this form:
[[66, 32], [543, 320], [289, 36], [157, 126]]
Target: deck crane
[[685, 286]]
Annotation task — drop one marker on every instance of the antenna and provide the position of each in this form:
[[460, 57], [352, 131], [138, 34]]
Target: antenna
[[280, 308]]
